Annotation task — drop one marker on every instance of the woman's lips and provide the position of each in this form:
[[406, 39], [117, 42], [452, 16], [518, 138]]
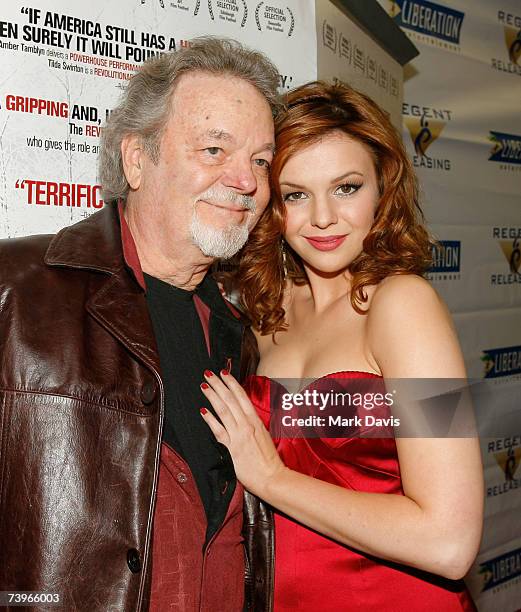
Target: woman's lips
[[326, 243]]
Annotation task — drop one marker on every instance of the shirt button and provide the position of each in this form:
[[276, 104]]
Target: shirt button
[[148, 392], [133, 561], [182, 477], [224, 487]]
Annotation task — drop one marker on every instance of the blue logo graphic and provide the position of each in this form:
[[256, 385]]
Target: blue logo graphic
[[501, 569], [504, 361], [446, 256], [506, 149], [428, 18]]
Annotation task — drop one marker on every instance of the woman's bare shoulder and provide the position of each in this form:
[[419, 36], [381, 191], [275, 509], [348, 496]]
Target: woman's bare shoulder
[[410, 330]]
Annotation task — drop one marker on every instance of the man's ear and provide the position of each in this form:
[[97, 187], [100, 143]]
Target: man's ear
[[132, 156]]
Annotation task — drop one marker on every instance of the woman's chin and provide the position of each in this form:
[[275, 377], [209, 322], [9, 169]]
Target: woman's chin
[[326, 271]]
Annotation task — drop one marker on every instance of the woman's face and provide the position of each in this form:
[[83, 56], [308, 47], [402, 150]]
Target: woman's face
[[330, 192]]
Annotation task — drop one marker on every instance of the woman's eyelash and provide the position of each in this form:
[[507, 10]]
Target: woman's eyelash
[[346, 189], [351, 187], [288, 196]]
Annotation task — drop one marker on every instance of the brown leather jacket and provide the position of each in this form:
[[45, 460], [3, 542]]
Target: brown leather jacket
[[80, 432]]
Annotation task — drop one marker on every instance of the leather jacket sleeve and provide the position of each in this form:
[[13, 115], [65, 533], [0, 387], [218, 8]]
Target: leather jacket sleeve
[[258, 528]]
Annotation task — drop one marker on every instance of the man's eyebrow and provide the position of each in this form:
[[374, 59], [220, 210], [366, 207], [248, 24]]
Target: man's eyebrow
[[218, 134], [269, 146]]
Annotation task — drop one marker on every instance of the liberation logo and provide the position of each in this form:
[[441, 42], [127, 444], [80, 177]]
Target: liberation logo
[[428, 22], [358, 59], [505, 361], [446, 261], [509, 241], [511, 32], [425, 125], [274, 18], [501, 569], [506, 149], [231, 11]]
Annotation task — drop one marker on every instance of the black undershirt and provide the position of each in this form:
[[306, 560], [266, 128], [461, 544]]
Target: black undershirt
[[184, 357]]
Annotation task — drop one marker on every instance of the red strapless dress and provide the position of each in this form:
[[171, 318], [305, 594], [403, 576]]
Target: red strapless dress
[[316, 574]]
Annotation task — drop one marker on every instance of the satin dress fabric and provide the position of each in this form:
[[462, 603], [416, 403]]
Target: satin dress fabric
[[313, 573]]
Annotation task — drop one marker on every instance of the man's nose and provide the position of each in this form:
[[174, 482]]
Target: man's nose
[[240, 176]]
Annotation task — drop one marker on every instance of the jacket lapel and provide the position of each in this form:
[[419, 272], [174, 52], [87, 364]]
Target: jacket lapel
[[118, 302], [120, 306]]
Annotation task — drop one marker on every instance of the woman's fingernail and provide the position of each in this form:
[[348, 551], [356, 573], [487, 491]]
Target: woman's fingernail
[[208, 373], [224, 372], [205, 386], [203, 410]]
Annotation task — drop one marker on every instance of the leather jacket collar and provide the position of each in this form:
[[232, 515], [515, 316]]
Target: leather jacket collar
[[92, 244]]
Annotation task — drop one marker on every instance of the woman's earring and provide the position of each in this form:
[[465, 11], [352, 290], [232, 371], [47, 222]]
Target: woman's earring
[[284, 259]]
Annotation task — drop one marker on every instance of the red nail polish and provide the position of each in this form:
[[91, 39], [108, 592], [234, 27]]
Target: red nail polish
[[203, 410], [205, 386], [224, 372], [208, 373]]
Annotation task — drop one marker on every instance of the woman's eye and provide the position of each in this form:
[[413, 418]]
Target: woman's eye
[[347, 189], [294, 196]]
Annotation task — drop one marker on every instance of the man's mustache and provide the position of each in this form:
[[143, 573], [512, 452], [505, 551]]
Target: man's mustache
[[229, 195]]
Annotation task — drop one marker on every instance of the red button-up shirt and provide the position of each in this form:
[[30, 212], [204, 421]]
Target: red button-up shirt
[[186, 577]]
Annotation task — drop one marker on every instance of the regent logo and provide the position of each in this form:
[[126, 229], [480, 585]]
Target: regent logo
[[446, 258], [509, 241], [512, 253], [513, 42], [507, 454], [274, 18], [501, 569], [506, 148], [500, 362], [428, 21], [423, 132], [509, 462], [425, 125], [511, 32], [232, 11]]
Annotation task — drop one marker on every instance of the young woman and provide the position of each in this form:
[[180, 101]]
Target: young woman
[[331, 279]]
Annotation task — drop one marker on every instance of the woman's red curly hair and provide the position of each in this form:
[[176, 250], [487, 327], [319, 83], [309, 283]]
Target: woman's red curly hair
[[397, 243]]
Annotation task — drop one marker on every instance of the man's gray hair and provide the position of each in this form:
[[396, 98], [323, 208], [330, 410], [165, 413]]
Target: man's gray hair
[[145, 105]]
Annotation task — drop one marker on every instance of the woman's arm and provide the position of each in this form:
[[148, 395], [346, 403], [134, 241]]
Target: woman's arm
[[437, 525]]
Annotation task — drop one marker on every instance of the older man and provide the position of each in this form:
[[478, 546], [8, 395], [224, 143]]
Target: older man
[[114, 496]]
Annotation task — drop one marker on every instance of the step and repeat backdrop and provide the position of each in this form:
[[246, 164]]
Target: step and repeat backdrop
[[462, 127], [64, 65]]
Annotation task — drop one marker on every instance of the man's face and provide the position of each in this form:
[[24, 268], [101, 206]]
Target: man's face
[[211, 182]]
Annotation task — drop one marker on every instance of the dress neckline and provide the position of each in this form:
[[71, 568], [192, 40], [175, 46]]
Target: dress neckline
[[338, 374], [329, 375]]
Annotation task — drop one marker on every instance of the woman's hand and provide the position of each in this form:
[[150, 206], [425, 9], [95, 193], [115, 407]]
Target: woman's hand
[[254, 455]]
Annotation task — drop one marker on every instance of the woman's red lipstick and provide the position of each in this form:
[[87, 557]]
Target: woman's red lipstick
[[326, 243]]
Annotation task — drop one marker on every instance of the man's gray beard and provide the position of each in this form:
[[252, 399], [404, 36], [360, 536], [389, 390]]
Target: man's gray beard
[[218, 243], [226, 242]]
